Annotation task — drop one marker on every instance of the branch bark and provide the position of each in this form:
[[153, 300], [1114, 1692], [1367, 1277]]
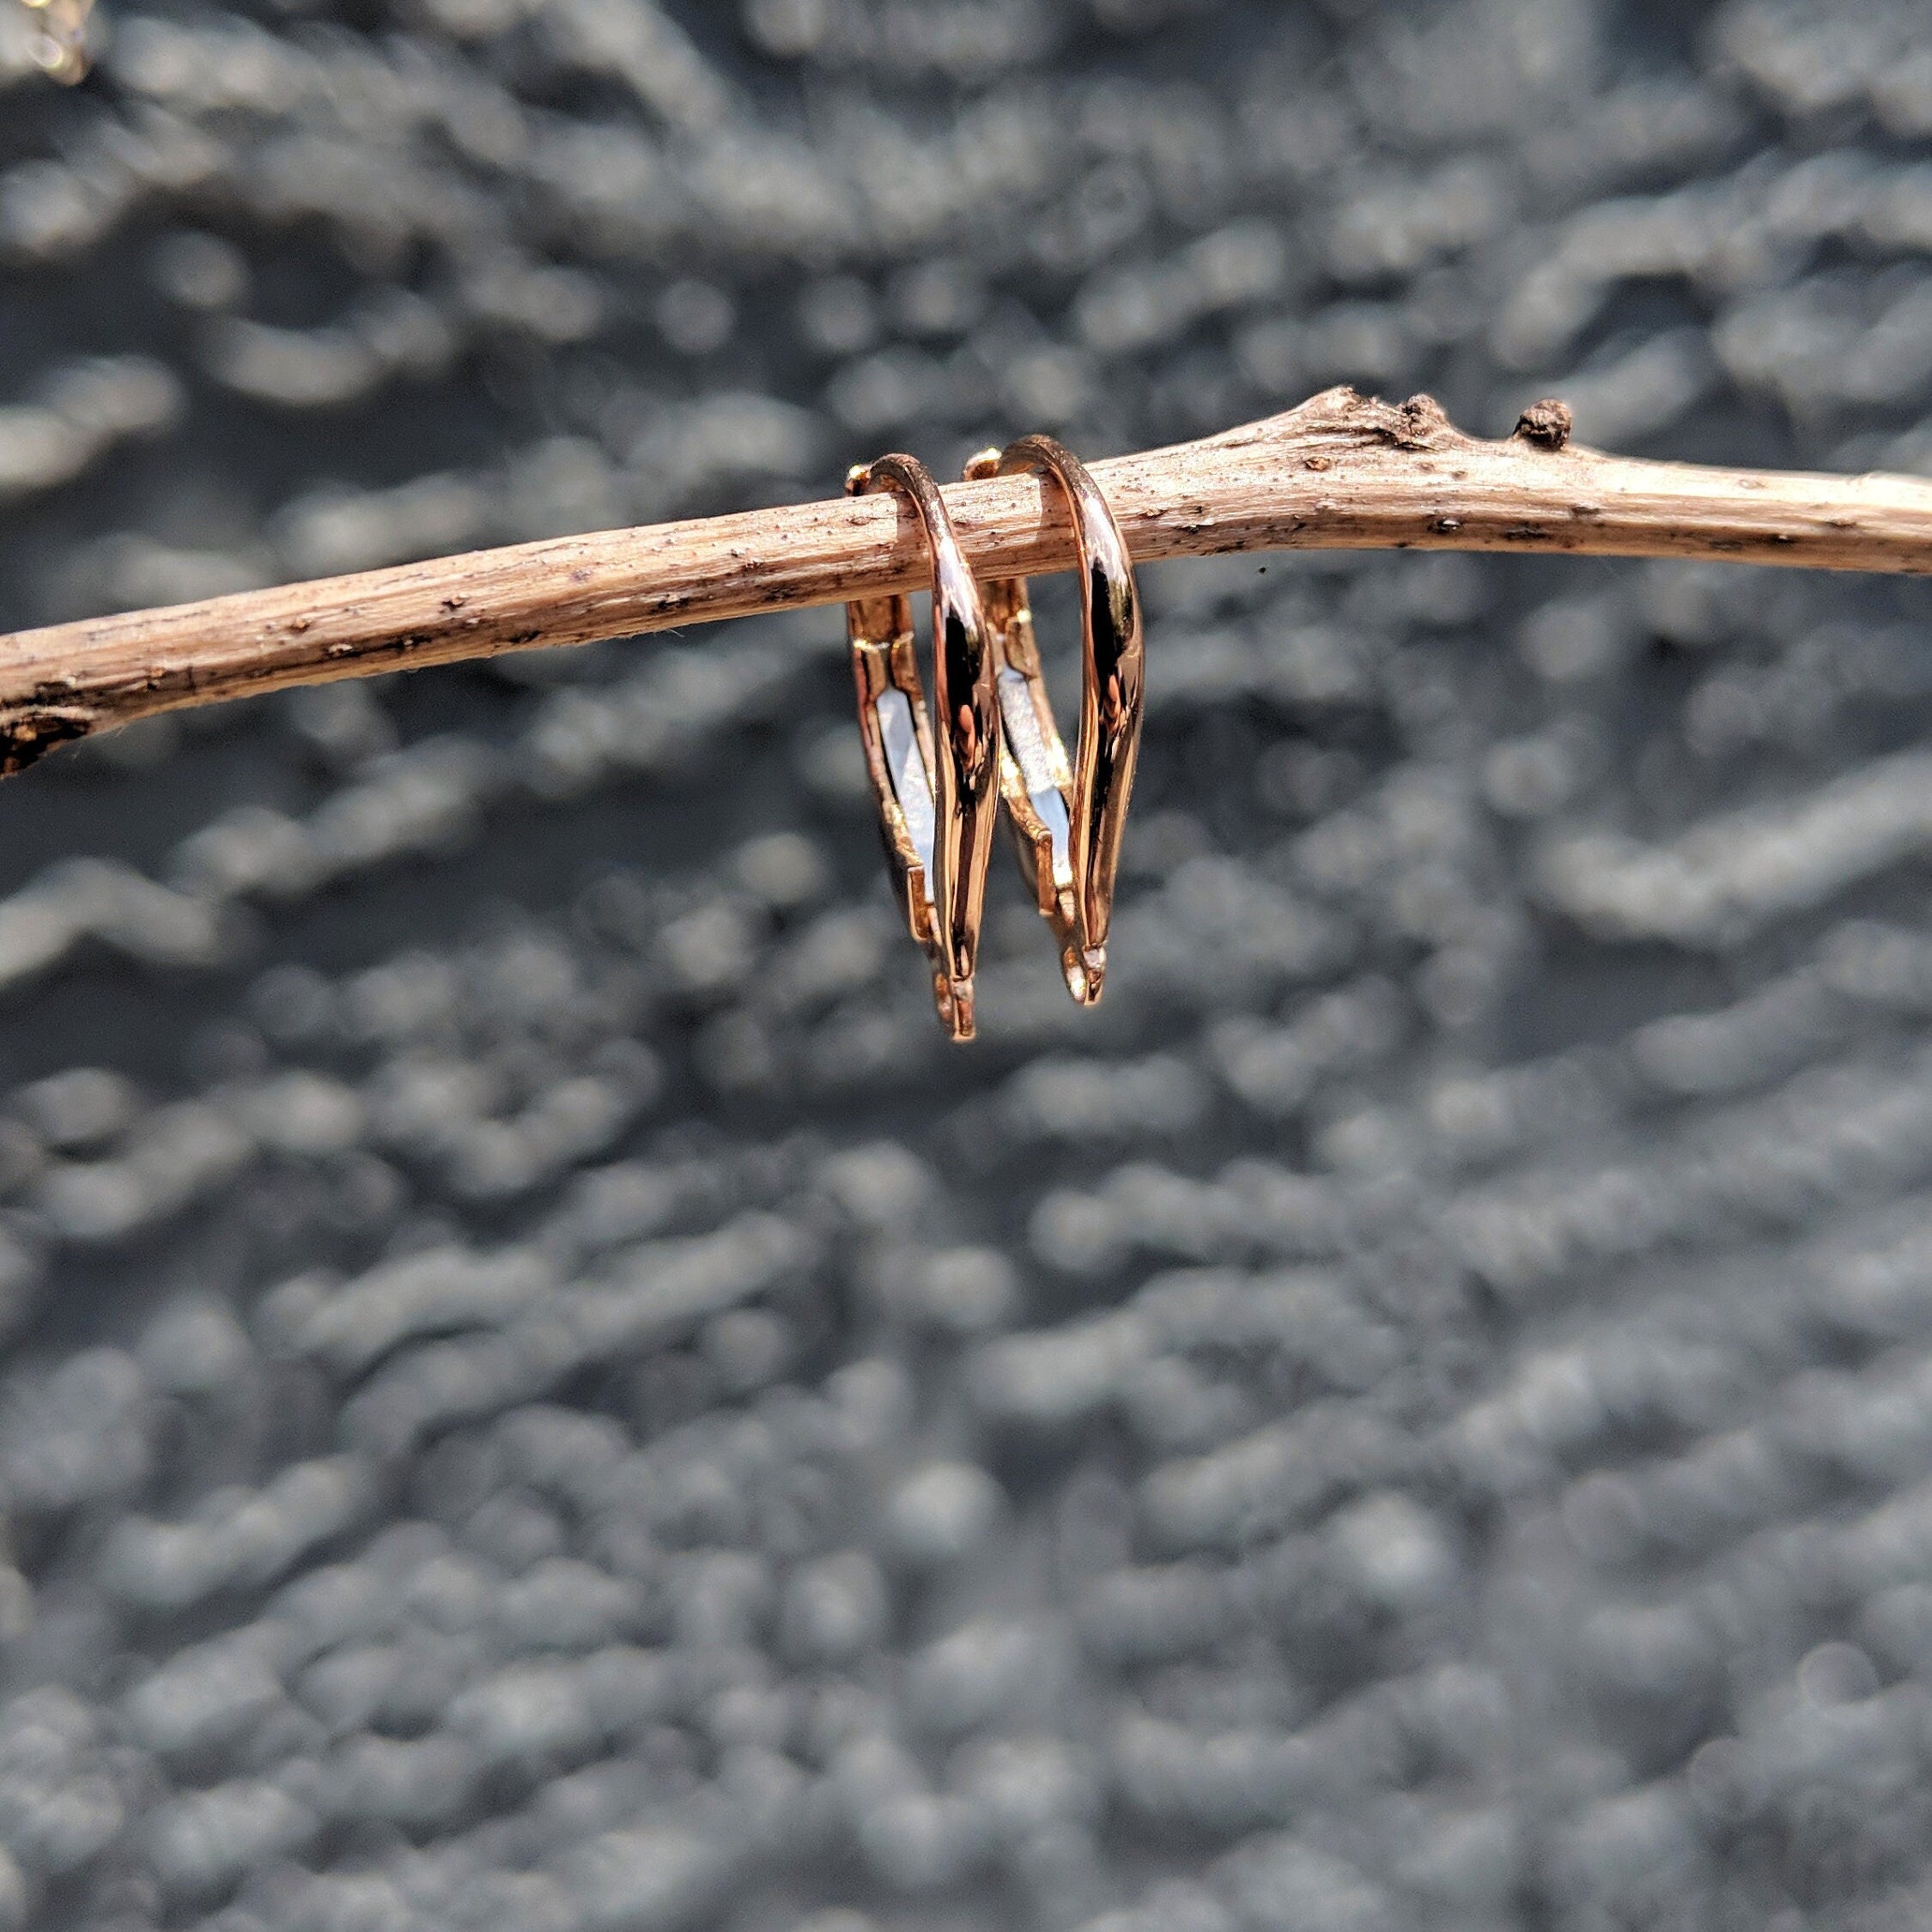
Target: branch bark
[[1341, 472]]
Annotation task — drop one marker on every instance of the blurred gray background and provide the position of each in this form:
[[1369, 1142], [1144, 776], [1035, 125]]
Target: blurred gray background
[[541, 1395]]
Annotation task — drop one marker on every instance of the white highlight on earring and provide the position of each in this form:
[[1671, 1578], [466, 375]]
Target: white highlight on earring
[[1029, 748], [908, 771]]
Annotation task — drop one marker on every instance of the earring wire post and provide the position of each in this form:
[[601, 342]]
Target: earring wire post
[[1341, 472]]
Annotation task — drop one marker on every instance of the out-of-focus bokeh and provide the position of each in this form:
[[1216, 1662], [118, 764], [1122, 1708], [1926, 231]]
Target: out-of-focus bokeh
[[541, 1395]]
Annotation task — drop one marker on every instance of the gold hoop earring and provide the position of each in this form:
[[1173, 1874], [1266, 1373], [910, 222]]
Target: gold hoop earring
[[935, 781], [1067, 824]]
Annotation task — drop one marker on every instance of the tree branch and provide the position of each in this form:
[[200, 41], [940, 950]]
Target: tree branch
[[1342, 471]]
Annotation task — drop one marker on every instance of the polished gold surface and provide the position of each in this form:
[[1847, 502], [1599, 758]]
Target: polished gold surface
[[935, 781], [1074, 889]]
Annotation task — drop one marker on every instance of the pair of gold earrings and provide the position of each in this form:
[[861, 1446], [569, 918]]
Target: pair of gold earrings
[[992, 739]]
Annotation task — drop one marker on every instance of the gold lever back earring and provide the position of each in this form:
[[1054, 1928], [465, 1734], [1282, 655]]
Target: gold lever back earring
[[1067, 824], [936, 783]]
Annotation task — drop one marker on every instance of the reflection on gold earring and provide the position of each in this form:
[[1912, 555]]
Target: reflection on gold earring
[[936, 783], [1067, 824]]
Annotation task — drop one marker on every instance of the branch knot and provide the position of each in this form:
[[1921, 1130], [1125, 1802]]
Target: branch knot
[[1546, 424]]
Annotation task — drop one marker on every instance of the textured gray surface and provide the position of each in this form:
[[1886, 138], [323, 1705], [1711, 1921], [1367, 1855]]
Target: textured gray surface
[[541, 1395]]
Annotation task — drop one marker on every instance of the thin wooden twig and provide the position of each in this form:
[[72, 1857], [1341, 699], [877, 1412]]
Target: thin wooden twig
[[1341, 472]]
